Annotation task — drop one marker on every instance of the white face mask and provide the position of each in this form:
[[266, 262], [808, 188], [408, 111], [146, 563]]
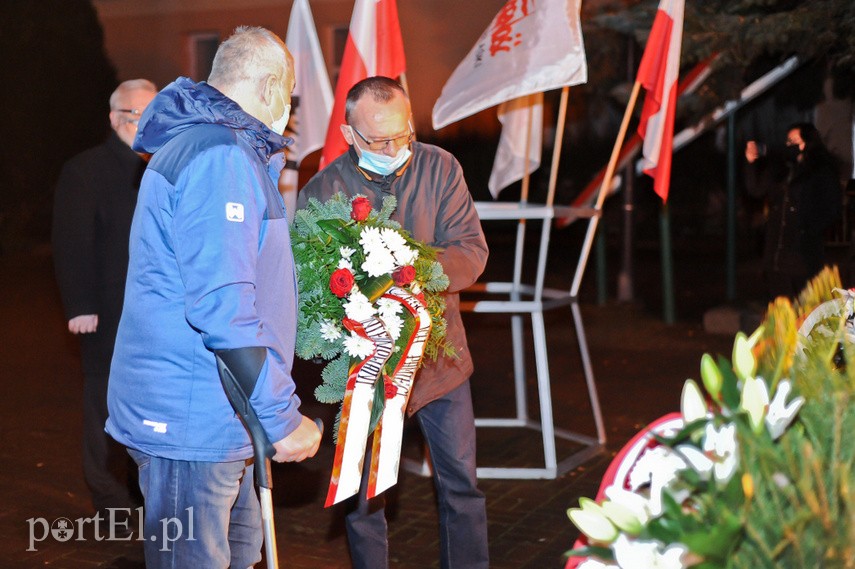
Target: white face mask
[[381, 163], [278, 125]]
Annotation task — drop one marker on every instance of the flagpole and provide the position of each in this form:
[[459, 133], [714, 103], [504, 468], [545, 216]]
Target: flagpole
[[521, 226], [604, 188]]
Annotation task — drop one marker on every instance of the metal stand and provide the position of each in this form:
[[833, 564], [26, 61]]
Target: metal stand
[[534, 300]]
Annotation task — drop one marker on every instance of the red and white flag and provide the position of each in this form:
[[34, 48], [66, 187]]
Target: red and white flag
[[658, 72], [374, 47], [531, 46]]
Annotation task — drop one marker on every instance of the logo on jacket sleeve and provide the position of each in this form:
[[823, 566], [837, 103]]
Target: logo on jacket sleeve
[[234, 212]]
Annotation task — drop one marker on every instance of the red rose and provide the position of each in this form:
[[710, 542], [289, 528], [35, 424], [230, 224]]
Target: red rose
[[341, 281], [360, 208], [404, 275], [390, 388]]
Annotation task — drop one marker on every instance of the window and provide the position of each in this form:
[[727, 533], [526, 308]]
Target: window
[[201, 50], [338, 39]]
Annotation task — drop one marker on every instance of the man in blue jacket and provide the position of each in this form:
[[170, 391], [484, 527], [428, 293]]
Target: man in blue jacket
[[210, 273]]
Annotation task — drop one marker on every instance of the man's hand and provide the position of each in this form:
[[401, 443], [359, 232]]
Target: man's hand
[[301, 444], [752, 151], [83, 324]]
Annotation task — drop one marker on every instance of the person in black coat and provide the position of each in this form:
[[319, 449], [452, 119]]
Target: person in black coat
[[804, 200], [93, 205]]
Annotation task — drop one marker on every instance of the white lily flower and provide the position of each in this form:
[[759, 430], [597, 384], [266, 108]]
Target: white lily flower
[[692, 403], [591, 563], [754, 400], [627, 510], [720, 446], [744, 363], [592, 521], [358, 347], [781, 413], [643, 554], [699, 461], [711, 376], [658, 467], [330, 331]]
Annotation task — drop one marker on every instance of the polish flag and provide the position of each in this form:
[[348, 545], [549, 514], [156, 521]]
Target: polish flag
[[374, 47], [660, 66]]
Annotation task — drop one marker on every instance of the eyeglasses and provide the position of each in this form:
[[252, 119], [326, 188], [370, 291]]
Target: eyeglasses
[[378, 145], [135, 112]]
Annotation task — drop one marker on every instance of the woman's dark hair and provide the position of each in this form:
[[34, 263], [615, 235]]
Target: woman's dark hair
[[815, 150]]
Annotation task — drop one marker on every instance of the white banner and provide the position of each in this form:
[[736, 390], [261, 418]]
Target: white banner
[[522, 119], [312, 92], [531, 46]]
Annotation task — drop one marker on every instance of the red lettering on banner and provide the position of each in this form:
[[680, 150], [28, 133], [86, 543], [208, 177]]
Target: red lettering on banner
[[503, 37]]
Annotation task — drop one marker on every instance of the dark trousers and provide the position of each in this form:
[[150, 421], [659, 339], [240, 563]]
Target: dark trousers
[[448, 426], [109, 472]]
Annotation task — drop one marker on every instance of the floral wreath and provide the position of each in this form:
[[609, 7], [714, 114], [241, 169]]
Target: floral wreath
[[758, 471], [347, 255]]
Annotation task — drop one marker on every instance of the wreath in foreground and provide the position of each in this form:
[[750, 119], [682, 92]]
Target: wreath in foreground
[[348, 255], [758, 468]]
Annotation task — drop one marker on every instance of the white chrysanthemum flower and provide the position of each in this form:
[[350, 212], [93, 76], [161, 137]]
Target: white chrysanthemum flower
[[406, 256], [371, 239], [388, 306], [358, 347], [346, 252], [379, 262], [330, 331], [394, 324], [345, 264], [358, 307], [393, 239]]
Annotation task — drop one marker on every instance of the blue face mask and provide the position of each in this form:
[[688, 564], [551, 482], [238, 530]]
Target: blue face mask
[[383, 164]]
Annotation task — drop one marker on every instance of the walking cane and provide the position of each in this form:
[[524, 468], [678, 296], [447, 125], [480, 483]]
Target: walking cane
[[238, 386]]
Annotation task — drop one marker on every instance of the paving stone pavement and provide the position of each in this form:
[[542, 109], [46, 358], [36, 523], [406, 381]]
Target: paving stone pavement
[[639, 364]]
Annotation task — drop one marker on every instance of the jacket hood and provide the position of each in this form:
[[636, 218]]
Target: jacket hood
[[184, 103]]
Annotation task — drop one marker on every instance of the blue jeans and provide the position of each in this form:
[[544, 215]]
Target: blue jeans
[[199, 514], [448, 426]]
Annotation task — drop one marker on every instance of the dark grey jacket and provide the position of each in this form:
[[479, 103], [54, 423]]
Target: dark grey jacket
[[435, 206]]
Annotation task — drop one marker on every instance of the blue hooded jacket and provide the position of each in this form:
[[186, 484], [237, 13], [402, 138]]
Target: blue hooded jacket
[[210, 269]]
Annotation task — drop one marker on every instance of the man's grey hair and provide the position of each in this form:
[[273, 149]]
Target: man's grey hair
[[380, 89], [249, 54], [126, 87]]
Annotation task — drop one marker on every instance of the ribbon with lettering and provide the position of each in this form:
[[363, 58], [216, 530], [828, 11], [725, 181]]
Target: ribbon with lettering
[[386, 449], [356, 410]]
